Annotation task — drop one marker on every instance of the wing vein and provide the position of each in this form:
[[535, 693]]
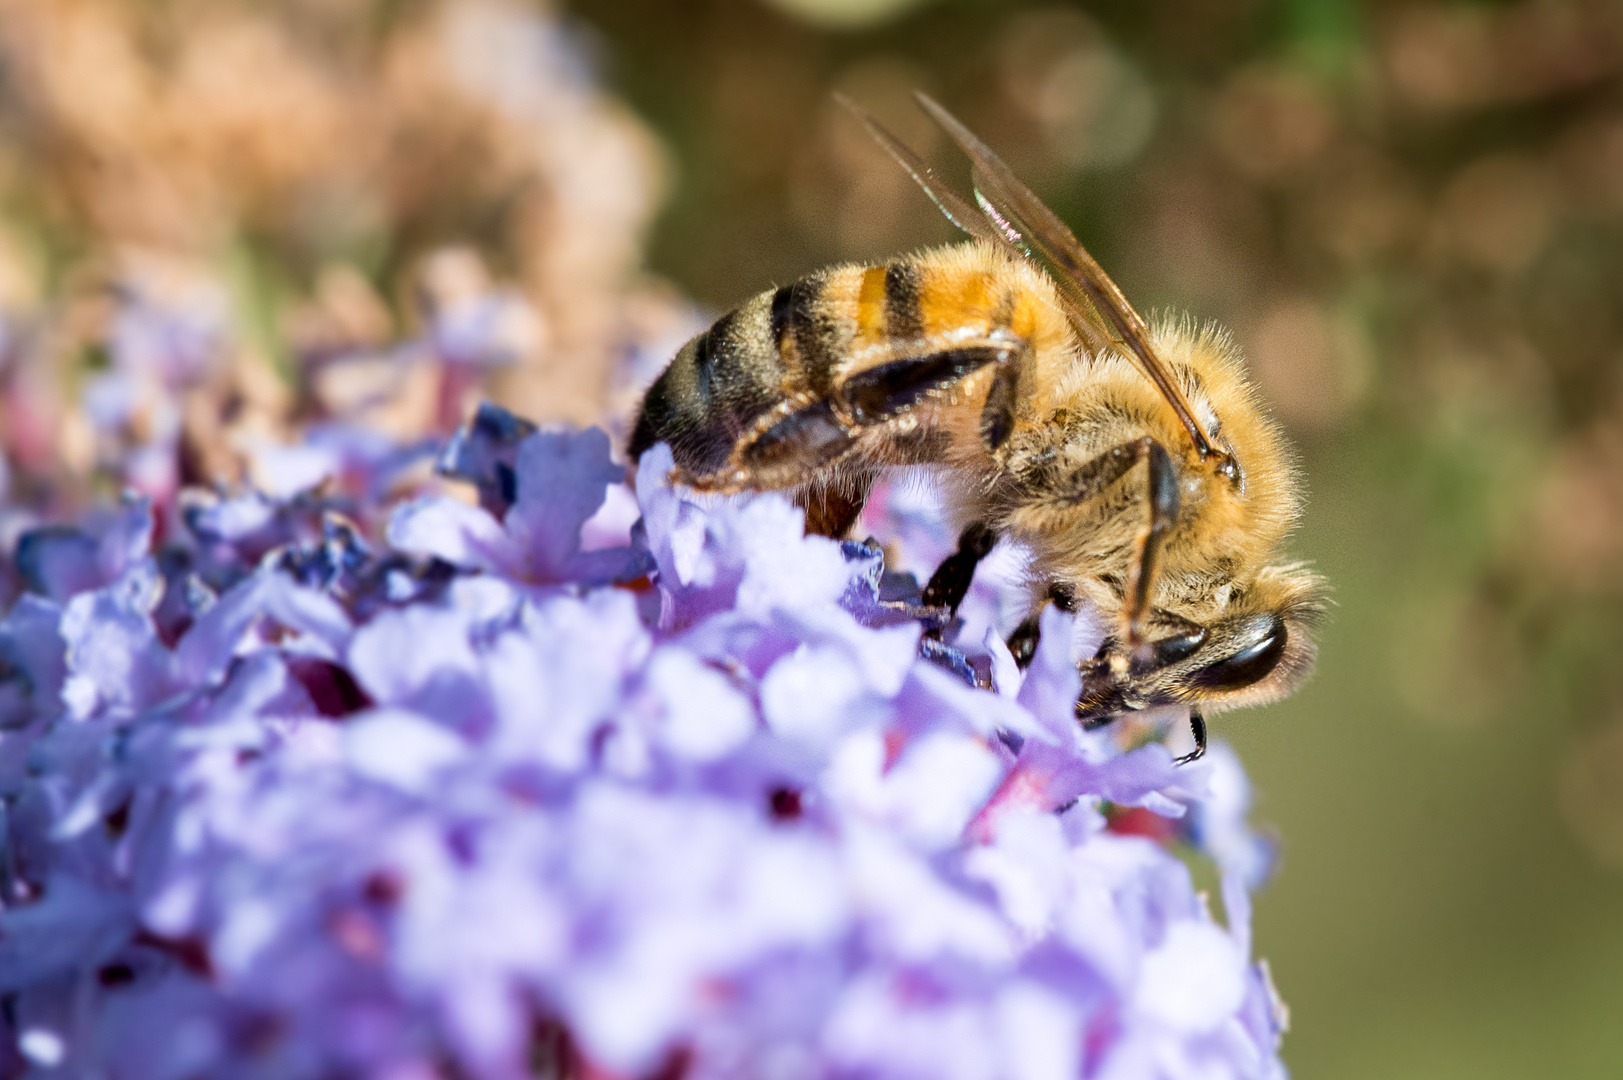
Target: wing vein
[[1022, 219]]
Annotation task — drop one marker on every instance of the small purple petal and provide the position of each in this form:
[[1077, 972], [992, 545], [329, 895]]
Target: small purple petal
[[562, 477], [114, 658], [1052, 682], [446, 529], [700, 714], [1194, 980], [399, 748], [59, 561], [484, 452], [32, 662]]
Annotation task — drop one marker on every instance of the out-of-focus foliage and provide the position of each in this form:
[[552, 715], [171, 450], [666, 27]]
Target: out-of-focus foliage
[[1411, 217]]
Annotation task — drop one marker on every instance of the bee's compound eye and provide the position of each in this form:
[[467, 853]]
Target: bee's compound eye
[[1169, 651], [1248, 666], [1179, 647]]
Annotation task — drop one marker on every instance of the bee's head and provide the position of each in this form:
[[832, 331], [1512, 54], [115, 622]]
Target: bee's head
[[1259, 650]]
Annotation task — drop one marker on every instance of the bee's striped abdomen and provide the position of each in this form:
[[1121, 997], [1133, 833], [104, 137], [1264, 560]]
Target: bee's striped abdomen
[[838, 350], [841, 320]]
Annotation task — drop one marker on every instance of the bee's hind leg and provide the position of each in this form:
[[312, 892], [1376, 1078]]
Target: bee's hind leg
[[1023, 642], [833, 506]]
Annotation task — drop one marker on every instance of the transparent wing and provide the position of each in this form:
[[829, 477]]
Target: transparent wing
[[1096, 305], [972, 219], [957, 211]]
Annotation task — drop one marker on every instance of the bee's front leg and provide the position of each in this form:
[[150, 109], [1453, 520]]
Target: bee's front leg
[[1090, 481], [1197, 725], [1163, 511]]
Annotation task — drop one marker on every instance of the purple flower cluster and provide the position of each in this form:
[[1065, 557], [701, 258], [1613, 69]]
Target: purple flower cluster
[[572, 783]]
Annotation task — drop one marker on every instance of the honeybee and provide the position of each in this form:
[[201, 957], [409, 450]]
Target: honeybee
[[1135, 462]]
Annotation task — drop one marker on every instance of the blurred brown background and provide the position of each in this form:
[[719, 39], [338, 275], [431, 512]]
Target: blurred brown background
[[1410, 215]]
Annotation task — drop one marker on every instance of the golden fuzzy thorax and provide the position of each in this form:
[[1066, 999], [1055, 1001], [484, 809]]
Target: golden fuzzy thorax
[[1074, 407], [1224, 533], [1216, 565], [1216, 568]]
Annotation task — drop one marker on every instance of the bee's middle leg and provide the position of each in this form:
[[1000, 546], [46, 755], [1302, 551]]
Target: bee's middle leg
[[807, 433], [950, 583]]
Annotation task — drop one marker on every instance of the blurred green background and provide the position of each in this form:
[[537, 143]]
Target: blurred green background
[[1409, 214]]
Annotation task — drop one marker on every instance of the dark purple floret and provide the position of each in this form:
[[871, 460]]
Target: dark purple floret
[[485, 454]]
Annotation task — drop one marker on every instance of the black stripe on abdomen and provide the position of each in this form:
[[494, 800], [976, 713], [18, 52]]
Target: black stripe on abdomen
[[811, 334], [704, 361], [902, 319], [782, 306]]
